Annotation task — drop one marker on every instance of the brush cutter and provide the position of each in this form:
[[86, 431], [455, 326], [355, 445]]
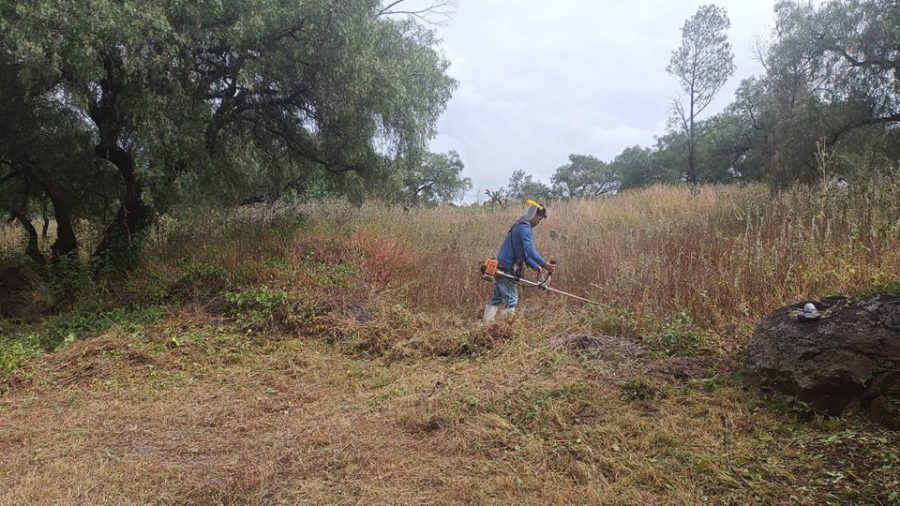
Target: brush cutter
[[490, 270]]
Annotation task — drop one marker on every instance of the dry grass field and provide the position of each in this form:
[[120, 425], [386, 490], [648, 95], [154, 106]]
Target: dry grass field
[[257, 357]]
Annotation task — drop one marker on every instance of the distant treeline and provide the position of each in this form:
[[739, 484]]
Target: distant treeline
[[828, 106]]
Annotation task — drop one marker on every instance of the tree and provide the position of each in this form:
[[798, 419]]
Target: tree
[[831, 75], [494, 197], [584, 176], [638, 168], [702, 64], [437, 180], [851, 53], [720, 148], [522, 186], [832, 72], [202, 99], [45, 155]]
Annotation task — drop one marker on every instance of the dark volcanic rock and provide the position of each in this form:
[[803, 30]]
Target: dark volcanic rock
[[23, 293], [847, 359]]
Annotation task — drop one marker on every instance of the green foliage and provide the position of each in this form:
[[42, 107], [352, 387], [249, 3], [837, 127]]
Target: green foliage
[[610, 320], [202, 273], [20, 342], [679, 336], [146, 104], [10, 257], [334, 275], [831, 78], [891, 287], [523, 186], [584, 176], [200, 280], [71, 278], [254, 308], [640, 167], [436, 180], [702, 64]]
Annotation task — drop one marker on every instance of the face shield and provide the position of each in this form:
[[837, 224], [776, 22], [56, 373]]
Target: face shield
[[533, 209]]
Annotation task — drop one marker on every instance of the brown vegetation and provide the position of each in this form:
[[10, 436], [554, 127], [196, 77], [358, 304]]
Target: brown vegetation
[[342, 362]]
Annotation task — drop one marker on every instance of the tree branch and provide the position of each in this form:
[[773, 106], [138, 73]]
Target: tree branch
[[885, 64], [893, 118], [293, 145], [440, 8]]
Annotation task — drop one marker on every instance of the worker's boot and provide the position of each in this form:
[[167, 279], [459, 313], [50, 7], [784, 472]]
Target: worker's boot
[[490, 312]]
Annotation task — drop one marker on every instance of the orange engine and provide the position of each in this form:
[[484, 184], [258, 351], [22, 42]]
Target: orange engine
[[490, 266]]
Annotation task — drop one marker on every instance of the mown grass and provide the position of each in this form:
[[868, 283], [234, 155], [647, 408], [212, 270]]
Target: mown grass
[[329, 353]]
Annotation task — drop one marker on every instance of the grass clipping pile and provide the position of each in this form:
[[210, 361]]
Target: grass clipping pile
[[625, 357]]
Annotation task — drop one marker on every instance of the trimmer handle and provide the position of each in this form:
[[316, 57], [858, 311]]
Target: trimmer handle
[[546, 280]]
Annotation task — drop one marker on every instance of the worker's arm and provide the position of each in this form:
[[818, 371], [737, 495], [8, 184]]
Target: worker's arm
[[532, 257]]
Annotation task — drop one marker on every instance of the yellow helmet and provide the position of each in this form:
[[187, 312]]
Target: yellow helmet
[[540, 209]]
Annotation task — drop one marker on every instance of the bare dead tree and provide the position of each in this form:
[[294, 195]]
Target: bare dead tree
[[495, 196], [437, 12]]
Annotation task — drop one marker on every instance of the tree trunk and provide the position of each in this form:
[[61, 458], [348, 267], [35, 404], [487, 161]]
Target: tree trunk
[[119, 239], [692, 171], [46, 217], [32, 249], [120, 242], [66, 242]]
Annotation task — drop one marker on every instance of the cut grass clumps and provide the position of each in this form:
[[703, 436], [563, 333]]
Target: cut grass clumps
[[388, 329], [638, 390], [396, 332], [479, 338], [550, 409]]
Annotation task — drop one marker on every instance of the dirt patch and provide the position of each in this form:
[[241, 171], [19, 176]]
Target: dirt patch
[[600, 346], [624, 355]]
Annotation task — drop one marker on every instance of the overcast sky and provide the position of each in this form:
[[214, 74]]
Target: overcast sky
[[539, 80]]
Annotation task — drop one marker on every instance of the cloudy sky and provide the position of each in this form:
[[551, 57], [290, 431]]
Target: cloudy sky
[[539, 80]]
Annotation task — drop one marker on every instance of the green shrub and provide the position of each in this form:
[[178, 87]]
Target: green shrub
[[14, 353], [679, 336], [254, 308]]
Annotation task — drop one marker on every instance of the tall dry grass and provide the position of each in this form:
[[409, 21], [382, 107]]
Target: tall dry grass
[[726, 254]]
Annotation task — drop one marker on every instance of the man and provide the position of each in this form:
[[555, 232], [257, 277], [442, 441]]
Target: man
[[517, 249]]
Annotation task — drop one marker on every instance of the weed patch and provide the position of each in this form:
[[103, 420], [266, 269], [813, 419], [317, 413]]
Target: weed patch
[[199, 281], [254, 308], [20, 342], [679, 336]]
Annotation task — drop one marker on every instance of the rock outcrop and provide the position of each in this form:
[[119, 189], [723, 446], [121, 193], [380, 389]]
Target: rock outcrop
[[848, 358]]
